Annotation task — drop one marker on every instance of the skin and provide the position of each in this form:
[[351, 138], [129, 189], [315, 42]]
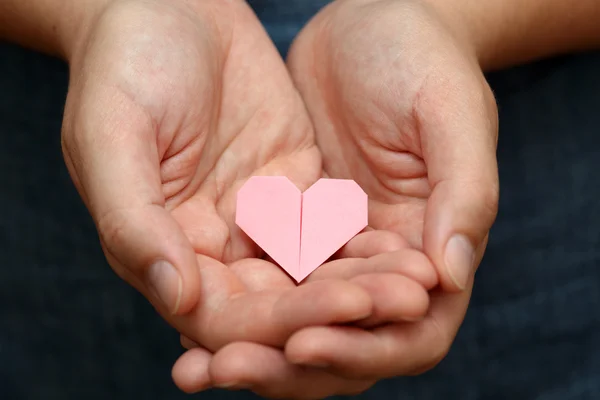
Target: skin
[[399, 87], [509, 32], [161, 129], [165, 104], [429, 169]]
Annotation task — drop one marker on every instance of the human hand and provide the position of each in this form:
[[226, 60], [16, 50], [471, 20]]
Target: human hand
[[171, 106], [400, 104]]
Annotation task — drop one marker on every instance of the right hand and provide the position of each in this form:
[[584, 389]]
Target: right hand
[[171, 106]]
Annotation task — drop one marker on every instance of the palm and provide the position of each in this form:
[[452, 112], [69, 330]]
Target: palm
[[257, 126], [260, 128], [222, 108]]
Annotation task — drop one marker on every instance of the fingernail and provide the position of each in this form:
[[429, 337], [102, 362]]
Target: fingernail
[[459, 259], [166, 283]]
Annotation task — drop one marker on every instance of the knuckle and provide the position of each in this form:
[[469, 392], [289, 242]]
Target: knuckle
[[489, 198], [112, 228], [116, 234], [483, 194]]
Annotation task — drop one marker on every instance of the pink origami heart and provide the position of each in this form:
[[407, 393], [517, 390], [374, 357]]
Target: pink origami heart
[[300, 231]]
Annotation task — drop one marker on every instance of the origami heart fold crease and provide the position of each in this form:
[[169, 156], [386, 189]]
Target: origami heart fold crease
[[300, 231]]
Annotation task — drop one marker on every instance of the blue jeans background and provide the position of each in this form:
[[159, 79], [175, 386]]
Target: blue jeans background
[[70, 329]]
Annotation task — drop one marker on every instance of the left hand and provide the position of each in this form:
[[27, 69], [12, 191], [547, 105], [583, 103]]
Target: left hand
[[400, 104]]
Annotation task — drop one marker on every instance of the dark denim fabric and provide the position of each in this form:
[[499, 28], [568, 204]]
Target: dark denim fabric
[[69, 329]]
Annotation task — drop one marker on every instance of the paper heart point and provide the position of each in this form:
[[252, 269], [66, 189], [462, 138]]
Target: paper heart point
[[300, 231]]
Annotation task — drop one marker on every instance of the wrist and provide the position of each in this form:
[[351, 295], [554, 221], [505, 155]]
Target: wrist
[[508, 32], [50, 26], [462, 21]]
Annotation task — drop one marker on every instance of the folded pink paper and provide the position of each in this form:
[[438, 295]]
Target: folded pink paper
[[300, 231]]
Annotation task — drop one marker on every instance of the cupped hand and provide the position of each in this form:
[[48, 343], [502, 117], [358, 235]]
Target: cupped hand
[[171, 106], [400, 104]]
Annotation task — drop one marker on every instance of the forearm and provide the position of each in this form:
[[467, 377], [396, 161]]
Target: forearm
[[507, 32], [51, 26]]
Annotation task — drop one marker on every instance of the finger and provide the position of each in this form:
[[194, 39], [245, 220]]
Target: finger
[[271, 317], [397, 291], [459, 133], [372, 243], [233, 313], [395, 298], [265, 371], [392, 350], [407, 262], [113, 156], [190, 372]]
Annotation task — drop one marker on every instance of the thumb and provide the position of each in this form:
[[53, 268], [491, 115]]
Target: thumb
[[113, 159], [459, 136]]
